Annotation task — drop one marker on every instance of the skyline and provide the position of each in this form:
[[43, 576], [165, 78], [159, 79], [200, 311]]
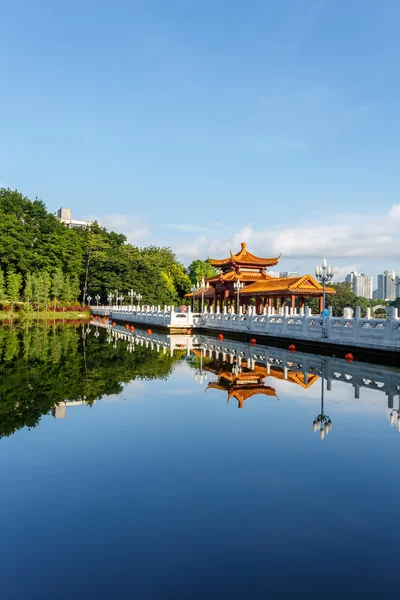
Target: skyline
[[198, 127]]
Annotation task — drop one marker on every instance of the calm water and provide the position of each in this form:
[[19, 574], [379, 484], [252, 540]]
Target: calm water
[[184, 467]]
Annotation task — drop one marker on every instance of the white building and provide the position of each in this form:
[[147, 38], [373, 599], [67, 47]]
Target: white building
[[361, 283], [65, 216], [387, 286]]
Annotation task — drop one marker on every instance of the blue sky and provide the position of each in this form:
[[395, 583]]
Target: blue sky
[[199, 124]]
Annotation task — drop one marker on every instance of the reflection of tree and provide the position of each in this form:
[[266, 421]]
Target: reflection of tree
[[41, 367]]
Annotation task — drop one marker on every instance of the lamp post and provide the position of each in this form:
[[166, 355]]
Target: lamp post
[[324, 274], [120, 298], [238, 286], [131, 295], [97, 298], [139, 297], [204, 287], [322, 422], [116, 298], [89, 299], [110, 299], [193, 289]]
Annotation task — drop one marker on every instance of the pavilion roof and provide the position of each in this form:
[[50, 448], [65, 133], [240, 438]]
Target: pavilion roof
[[244, 257], [293, 285]]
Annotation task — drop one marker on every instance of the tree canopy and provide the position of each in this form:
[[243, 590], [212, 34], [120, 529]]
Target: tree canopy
[[201, 268], [41, 258]]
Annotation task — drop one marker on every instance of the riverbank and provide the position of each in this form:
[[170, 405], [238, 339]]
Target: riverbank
[[23, 316]]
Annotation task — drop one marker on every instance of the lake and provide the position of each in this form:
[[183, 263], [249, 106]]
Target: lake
[[147, 466]]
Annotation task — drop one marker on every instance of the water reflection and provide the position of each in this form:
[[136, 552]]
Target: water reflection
[[50, 370]]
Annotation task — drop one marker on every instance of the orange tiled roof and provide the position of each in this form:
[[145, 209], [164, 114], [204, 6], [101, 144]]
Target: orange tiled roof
[[245, 258], [294, 285], [233, 276]]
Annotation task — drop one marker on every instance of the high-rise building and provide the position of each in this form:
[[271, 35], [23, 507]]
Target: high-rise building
[[289, 274], [386, 286], [361, 283]]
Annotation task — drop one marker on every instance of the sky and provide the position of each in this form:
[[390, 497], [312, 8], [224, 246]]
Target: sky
[[198, 125]]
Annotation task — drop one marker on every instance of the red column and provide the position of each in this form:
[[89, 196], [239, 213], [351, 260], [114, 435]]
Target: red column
[[292, 301], [302, 302], [321, 304]]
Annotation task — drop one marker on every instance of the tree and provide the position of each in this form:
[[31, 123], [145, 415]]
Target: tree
[[66, 294], [201, 268], [28, 290], [57, 284], [2, 286], [95, 246], [14, 283]]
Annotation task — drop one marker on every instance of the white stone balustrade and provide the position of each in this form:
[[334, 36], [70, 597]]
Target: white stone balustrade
[[290, 324]]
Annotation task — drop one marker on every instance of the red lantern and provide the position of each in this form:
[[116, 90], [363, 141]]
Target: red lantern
[[149, 332], [253, 341], [188, 331], [132, 328], [127, 326], [114, 324], [349, 357], [220, 337], [292, 348]]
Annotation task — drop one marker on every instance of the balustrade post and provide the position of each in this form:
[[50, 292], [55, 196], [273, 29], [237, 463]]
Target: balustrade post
[[368, 314]]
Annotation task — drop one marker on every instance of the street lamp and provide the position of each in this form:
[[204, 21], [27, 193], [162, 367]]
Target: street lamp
[[193, 289], [139, 297], [131, 295], [324, 274], [322, 422], [89, 299], [238, 286], [116, 298], [97, 298], [204, 287], [110, 298]]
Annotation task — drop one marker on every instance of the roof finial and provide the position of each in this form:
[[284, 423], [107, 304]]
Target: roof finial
[[244, 246]]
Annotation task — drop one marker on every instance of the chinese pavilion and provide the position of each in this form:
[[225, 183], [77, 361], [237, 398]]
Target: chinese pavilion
[[250, 270]]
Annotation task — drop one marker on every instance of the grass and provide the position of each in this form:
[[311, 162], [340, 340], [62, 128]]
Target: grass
[[42, 316]]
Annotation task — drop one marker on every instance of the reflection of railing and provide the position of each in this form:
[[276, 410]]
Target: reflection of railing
[[358, 375], [287, 323]]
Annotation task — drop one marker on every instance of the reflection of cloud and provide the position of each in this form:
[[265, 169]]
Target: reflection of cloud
[[339, 399]]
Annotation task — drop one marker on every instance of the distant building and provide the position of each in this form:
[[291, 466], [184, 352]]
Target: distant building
[[361, 283], [288, 274], [274, 274], [386, 286], [65, 216]]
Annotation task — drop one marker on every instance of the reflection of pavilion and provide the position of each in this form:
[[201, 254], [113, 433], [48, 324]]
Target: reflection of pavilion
[[244, 380]]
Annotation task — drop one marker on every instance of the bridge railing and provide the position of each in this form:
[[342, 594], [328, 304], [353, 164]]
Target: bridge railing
[[367, 332]]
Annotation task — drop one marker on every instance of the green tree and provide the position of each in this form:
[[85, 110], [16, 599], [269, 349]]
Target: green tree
[[66, 294], [28, 289], [201, 268], [57, 284], [2, 286], [14, 283]]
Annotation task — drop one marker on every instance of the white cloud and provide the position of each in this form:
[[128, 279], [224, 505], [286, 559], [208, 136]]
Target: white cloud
[[130, 225], [345, 236]]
